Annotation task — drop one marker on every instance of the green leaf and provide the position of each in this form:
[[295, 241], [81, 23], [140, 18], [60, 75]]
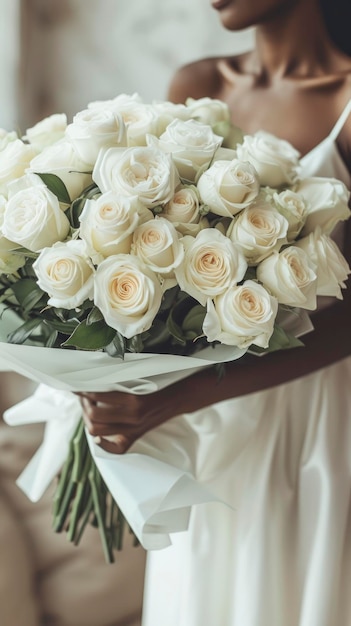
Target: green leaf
[[280, 340], [28, 293], [93, 337], [170, 296], [63, 327], [175, 330], [193, 321], [95, 315], [51, 340], [135, 344], [77, 205], [21, 334], [56, 185], [158, 335], [117, 347]]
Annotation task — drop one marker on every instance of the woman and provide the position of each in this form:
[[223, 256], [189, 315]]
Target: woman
[[275, 433]]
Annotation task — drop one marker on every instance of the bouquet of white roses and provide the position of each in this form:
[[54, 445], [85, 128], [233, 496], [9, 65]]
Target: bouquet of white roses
[[155, 229]]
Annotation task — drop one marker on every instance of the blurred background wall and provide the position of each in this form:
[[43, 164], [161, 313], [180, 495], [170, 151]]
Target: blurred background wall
[[56, 56]]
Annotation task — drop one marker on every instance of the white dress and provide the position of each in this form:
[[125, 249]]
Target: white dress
[[280, 555]]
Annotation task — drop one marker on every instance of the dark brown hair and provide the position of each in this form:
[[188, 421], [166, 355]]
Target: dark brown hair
[[337, 17]]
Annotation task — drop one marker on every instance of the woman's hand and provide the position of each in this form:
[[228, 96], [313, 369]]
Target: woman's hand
[[123, 417], [127, 417]]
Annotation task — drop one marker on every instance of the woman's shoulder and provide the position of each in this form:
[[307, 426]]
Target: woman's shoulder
[[199, 79]]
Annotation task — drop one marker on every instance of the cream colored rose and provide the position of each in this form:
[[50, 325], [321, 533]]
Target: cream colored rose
[[157, 244], [184, 210], [241, 316], [327, 203], [10, 260], [127, 293], [14, 160], [47, 131], [212, 264], [33, 218], [107, 224], [62, 160], [146, 173], [294, 208], [93, 129], [275, 160], [257, 231], [65, 273], [192, 145], [208, 110], [332, 267], [227, 187], [291, 277]]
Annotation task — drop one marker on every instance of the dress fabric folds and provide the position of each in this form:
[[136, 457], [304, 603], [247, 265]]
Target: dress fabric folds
[[279, 552]]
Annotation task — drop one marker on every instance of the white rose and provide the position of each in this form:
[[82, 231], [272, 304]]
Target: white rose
[[290, 276], [227, 187], [332, 267], [3, 203], [113, 103], [208, 110], [212, 264], [10, 261], [144, 172], [257, 231], [241, 316], [47, 131], [275, 160], [139, 118], [127, 293], [33, 218], [62, 160], [327, 200], [6, 137], [167, 112], [107, 224], [14, 160], [293, 207], [192, 145], [157, 244], [184, 211], [65, 273], [93, 129]]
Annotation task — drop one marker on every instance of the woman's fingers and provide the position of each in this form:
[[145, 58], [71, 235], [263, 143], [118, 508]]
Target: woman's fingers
[[117, 444]]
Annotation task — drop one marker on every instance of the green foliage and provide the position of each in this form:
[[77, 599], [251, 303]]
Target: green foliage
[[94, 336], [77, 205], [57, 186], [28, 294]]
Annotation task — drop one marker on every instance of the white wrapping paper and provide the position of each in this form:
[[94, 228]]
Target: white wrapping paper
[[154, 496]]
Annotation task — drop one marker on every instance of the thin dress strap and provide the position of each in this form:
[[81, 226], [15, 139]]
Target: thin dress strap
[[341, 121]]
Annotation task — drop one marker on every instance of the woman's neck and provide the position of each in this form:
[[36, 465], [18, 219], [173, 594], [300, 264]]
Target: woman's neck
[[293, 44]]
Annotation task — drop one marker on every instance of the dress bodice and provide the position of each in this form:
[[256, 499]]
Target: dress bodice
[[325, 159]]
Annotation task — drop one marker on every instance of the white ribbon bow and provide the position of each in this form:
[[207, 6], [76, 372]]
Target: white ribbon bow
[[155, 497]]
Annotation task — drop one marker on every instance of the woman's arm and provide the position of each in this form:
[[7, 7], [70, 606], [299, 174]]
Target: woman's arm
[[129, 417]]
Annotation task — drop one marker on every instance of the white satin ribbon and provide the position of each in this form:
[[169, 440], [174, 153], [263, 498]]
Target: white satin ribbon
[[155, 497]]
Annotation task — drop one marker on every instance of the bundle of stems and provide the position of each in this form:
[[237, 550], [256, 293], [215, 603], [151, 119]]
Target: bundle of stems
[[81, 497]]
